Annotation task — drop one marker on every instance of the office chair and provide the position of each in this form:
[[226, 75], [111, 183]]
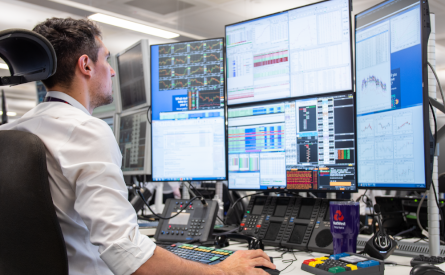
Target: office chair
[[31, 241]]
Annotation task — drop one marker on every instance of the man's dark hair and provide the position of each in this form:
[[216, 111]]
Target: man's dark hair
[[71, 38]]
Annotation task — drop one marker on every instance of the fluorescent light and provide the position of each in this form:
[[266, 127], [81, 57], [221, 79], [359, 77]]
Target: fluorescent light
[[122, 23], [4, 66], [9, 113]]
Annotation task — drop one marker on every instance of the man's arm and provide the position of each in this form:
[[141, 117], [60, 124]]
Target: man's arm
[[240, 263]]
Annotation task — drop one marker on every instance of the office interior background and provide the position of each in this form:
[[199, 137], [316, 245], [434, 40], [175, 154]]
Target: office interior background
[[191, 19]]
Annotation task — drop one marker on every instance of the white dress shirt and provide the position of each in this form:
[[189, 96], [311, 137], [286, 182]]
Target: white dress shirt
[[99, 225]]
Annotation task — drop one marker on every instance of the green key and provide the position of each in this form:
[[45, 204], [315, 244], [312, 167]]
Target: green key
[[213, 259], [337, 269]]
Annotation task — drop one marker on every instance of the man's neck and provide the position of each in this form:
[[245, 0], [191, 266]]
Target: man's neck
[[78, 93]]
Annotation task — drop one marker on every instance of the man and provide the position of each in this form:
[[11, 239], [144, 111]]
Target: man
[[90, 197]]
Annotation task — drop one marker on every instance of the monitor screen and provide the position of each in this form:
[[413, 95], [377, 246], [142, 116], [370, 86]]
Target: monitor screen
[[299, 52], [188, 118], [187, 76], [132, 77], [189, 145], [390, 120], [304, 144], [133, 141]]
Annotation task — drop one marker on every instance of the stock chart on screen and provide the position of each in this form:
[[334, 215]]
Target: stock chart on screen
[[304, 144], [188, 111], [187, 76], [300, 52], [390, 126]]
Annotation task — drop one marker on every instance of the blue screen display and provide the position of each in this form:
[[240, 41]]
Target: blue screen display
[[188, 130], [390, 127]]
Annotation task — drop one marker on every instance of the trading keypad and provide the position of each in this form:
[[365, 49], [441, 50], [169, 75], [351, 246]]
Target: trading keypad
[[333, 264]]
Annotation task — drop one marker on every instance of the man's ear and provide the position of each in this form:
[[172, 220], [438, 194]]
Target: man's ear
[[84, 65]]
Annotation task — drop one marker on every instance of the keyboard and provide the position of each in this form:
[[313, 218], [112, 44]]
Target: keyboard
[[202, 254], [345, 263], [205, 255], [422, 259]]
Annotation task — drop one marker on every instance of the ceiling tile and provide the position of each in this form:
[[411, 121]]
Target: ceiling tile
[[160, 6]]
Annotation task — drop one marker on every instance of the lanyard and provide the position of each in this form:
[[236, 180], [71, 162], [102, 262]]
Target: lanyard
[[48, 99]]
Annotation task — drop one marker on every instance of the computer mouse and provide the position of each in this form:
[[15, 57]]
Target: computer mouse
[[268, 270], [426, 269]]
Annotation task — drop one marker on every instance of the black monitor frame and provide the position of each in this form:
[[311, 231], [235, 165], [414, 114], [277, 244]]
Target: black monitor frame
[[147, 166], [250, 104], [425, 31], [225, 101], [277, 13], [145, 51]]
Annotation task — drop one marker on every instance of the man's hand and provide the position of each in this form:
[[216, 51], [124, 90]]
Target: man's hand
[[243, 262]]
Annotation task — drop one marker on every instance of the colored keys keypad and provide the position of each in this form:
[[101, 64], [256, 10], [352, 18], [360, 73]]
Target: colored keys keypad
[[342, 263], [206, 255]]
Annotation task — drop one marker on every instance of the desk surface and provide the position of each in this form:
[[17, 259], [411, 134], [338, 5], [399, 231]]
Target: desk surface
[[402, 267], [294, 268]]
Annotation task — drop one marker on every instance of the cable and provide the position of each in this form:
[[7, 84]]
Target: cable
[[199, 193], [437, 79], [163, 218], [442, 226], [290, 261], [148, 111], [405, 231], [418, 212], [440, 209], [254, 194]]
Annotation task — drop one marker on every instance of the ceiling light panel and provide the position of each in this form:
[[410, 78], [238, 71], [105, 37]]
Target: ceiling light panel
[[122, 23]]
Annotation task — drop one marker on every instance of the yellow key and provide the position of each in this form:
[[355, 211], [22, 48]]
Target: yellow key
[[314, 263], [323, 258], [353, 267]]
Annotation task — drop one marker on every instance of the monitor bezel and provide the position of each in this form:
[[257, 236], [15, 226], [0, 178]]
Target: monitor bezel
[[424, 34], [145, 48], [284, 189], [147, 160], [277, 13], [225, 103]]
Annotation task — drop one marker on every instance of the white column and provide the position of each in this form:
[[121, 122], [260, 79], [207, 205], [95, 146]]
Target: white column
[[433, 211]]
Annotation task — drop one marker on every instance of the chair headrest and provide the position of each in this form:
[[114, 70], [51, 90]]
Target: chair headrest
[[29, 56]]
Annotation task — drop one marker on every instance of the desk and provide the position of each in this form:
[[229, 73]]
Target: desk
[[294, 268], [301, 256]]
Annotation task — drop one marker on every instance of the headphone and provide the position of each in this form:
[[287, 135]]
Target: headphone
[[381, 240]]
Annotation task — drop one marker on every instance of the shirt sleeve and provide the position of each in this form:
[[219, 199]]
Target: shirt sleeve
[[91, 161]]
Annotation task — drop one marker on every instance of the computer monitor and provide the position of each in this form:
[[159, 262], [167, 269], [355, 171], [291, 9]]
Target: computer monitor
[[296, 144], [188, 117], [299, 52], [133, 135], [113, 107], [134, 78], [392, 96]]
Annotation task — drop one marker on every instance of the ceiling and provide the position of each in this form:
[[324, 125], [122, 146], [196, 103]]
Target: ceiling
[[193, 19]]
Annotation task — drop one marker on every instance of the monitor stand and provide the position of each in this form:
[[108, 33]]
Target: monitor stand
[[159, 206]]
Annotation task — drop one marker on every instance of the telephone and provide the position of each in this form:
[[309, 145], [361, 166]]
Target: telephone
[[194, 223]]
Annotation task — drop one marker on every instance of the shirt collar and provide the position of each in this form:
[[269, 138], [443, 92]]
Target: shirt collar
[[68, 99]]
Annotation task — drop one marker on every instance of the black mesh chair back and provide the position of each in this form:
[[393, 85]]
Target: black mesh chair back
[[31, 241]]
